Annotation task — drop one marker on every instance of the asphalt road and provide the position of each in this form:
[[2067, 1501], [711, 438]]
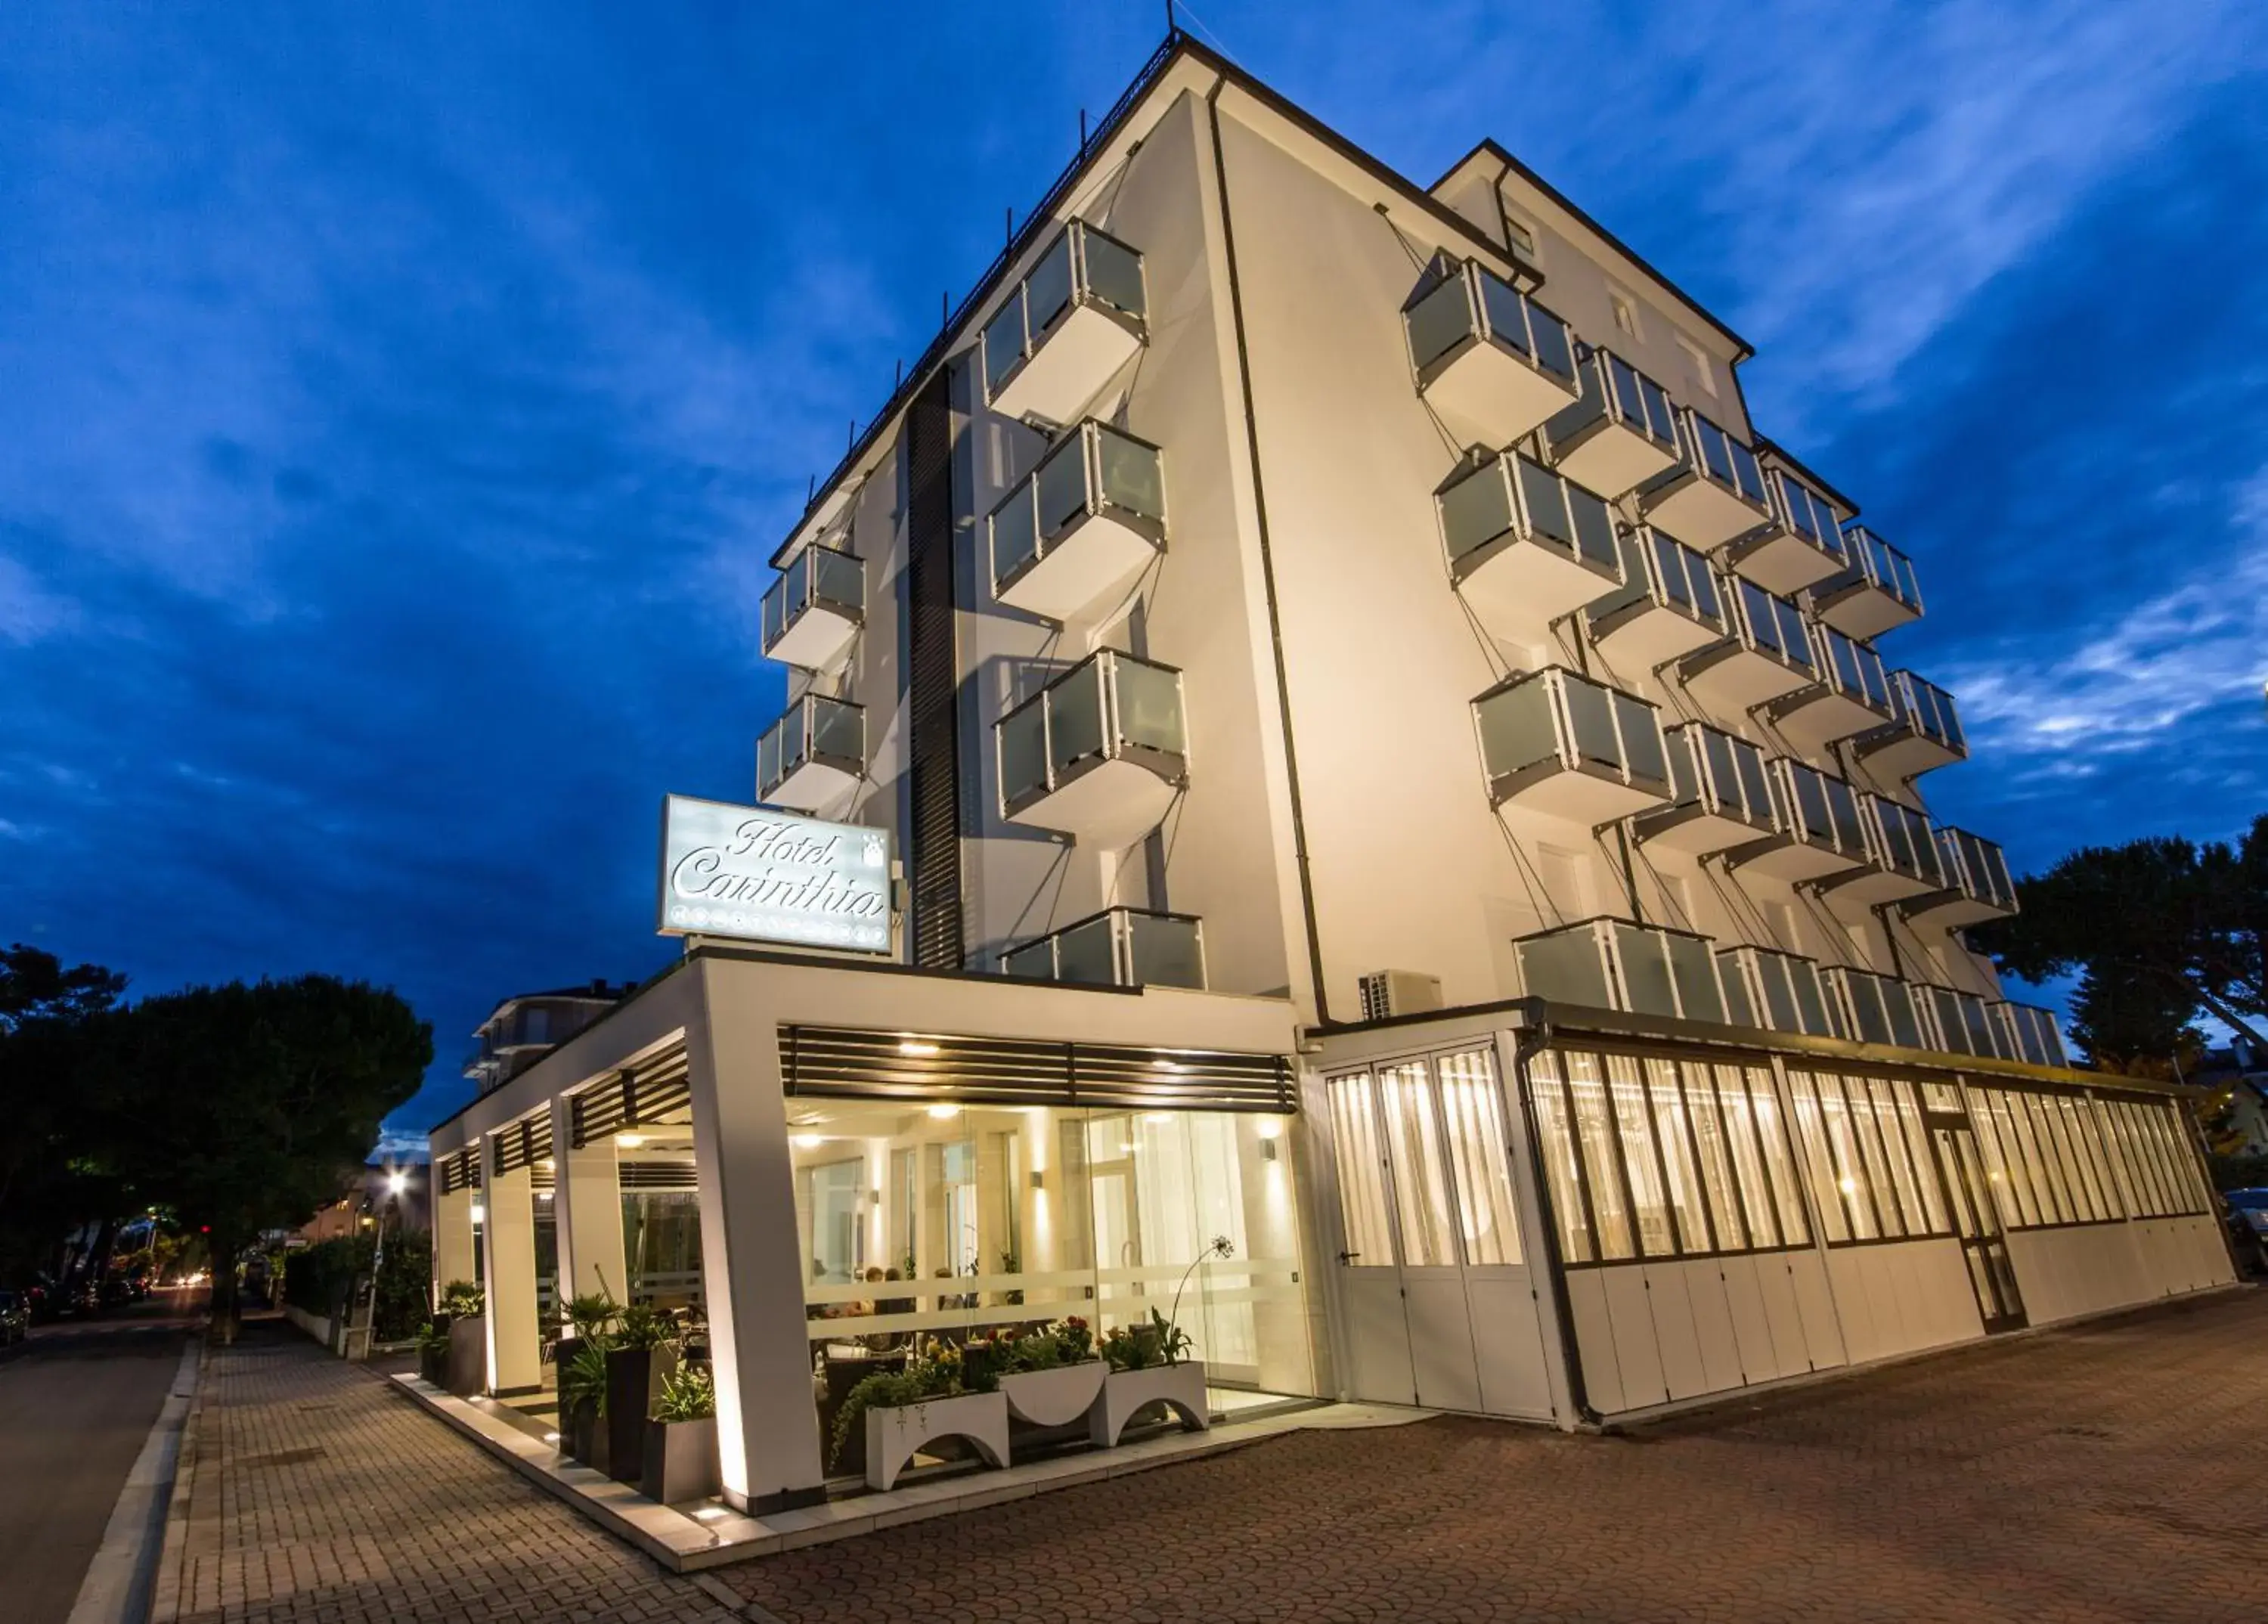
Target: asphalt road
[[77, 1401]]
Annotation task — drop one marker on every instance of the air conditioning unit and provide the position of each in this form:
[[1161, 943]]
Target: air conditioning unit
[[1399, 993]]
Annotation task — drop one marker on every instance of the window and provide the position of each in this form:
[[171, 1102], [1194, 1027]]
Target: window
[[1486, 1213], [1362, 1175], [1626, 312], [1520, 236], [1421, 1186], [1696, 359]]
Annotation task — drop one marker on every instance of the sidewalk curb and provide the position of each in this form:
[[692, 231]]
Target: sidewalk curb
[[118, 1588], [166, 1594]]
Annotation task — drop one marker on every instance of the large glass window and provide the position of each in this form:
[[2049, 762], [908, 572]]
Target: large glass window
[[1648, 1199], [1363, 1216], [1602, 1176], [1680, 1161], [1420, 1171], [1486, 1212], [1818, 1166], [1563, 1170]]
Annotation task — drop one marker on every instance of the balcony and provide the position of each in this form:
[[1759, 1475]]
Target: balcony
[[1799, 545], [1720, 796], [1869, 1008], [1902, 851], [1623, 431], [1851, 697], [1088, 520], [1492, 363], [1819, 830], [815, 608], [2029, 1033], [1714, 491], [1118, 947], [1876, 594], [1772, 991], [1924, 732], [1097, 754], [1669, 604], [815, 752], [1557, 742], [1526, 545], [1977, 884], [1767, 654], [1607, 964], [1960, 1023], [1067, 327]]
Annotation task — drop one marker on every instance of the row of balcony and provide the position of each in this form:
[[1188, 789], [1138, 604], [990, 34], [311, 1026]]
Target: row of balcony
[[1611, 964]]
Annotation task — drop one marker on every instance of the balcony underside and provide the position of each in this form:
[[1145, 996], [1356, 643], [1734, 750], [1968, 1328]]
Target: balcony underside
[[1902, 754], [1576, 793], [814, 783], [1090, 565], [1781, 561], [1869, 886], [820, 637], [1070, 366], [1608, 458], [1107, 805], [1693, 830], [1519, 586], [1953, 907], [1819, 715], [1782, 857], [1488, 396], [1643, 635], [1860, 609], [1702, 516], [1733, 679]]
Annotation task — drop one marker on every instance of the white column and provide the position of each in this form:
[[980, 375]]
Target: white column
[[751, 1270], [586, 1206], [452, 1236], [515, 1349]]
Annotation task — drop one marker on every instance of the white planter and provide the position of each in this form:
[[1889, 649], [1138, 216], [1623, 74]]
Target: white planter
[[893, 1436], [1053, 1397], [1182, 1387]]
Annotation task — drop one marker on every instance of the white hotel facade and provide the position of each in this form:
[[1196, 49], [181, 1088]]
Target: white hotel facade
[[1389, 766]]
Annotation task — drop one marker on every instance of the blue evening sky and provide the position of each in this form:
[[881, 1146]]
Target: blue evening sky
[[398, 404]]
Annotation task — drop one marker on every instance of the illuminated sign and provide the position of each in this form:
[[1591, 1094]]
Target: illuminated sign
[[766, 875]]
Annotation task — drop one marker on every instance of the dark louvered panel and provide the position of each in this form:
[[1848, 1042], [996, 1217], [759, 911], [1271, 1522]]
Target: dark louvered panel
[[656, 1176], [461, 1170], [933, 832], [658, 1091], [842, 1063], [524, 1144]]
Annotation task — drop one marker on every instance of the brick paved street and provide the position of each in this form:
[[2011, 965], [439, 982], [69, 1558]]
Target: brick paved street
[[2107, 1473]]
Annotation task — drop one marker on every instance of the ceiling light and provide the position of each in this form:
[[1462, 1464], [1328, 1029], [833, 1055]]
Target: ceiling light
[[629, 1141], [945, 1113], [808, 1142], [916, 1048], [1159, 1118]]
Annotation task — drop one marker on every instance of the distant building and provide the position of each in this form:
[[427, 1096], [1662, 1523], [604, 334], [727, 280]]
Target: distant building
[[527, 1026], [366, 1199], [2241, 1069]]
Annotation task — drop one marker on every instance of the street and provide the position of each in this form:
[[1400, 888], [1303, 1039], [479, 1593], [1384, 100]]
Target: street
[[76, 1400]]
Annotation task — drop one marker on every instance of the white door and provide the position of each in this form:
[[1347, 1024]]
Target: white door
[[1447, 1317]]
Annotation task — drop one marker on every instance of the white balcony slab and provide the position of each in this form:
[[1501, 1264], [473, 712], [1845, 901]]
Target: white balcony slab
[[1778, 857], [814, 785], [1108, 807], [1819, 715], [1613, 459], [1091, 567], [1860, 609], [1580, 797], [1645, 634], [819, 637], [1693, 830], [1519, 586], [1869, 887], [1732, 680], [1071, 367], [1489, 397], [1901, 753], [1702, 516]]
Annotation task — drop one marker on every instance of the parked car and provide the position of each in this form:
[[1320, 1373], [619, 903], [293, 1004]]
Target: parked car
[[15, 1318], [2248, 1225]]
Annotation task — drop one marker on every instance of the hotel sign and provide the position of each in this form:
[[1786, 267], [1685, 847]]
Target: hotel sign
[[766, 875]]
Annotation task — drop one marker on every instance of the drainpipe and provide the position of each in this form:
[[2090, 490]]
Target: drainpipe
[[1533, 1039]]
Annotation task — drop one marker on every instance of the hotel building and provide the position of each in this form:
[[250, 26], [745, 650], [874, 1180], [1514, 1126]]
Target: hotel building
[[1387, 765]]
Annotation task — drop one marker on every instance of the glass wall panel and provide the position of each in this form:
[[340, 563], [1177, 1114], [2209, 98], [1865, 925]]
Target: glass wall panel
[[2111, 1152], [1903, 1174], [1826, 1192], [1048, 290], [1149, 707], [1779, 1161], [1418, 1167], [1872, 1155], [1726, 1188], [1061, 485], [1477, 509], [1925, 1166], [2040, 1162], [1649, 1202], [1441, 320], [1015, 535], [1362, 1173], [1088, 954], [1592, 719], [1680, 1161], [1074, 704], [1023, 752], [1566, 967], [1113, 272], [1602, 1176], [1133, 474], [1563, 1172], [1003, 341], [1164, 951], [1850, 1167], [1479, 1153]]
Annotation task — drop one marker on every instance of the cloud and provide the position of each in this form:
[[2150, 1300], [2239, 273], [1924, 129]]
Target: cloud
[[28, 611]]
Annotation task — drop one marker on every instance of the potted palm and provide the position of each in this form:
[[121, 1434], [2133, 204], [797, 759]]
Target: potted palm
[[590, 1318], [466, 1305], [583, 1403], [639, 1357], [681, 1439]]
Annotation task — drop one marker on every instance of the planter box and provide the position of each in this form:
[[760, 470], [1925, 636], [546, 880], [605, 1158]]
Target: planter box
[[469, 1356], [586, 1436], [633, 1378], [1180, 1387], [1053, 1397], [433, 1365], [893, 1436], [681, 1461]]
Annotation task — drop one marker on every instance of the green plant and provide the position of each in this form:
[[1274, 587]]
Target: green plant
[[984, 1360], [592, 1314], [584, 1381], [431, 1338], [1146, 1343], [641, 1326], [688, 1393], [893, 1389], [461, 1299], [1076, 1339]]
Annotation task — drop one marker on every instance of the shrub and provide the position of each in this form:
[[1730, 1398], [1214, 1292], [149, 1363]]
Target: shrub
[[687, 1393]]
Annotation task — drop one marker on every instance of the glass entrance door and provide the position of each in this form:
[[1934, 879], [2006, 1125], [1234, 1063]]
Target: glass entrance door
[[1984, 1242]]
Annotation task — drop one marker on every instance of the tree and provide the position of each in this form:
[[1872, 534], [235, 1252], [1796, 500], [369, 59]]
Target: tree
[[244, 1108], [52, 1176], [2159, 930]]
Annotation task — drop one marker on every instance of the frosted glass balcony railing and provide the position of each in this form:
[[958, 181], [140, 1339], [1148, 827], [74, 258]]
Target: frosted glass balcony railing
[[1977, 884], [1526, 545], [1557, 742], [1767, 654], [1876, 594], [1100, 753], [2029, 1034], [1960, 1023], [1853, 695], [1088, 520], [1489, 361], [1819, 831], [1066, 328], [1622, 432], [815, 751], [1902, 859], [1118, 947], [1607, 964], [1799, 545], [1720, 794], [1869, 1008], [1715, 491], [815, 608], [1670, 604], [1924, 731], [1772, 991]]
